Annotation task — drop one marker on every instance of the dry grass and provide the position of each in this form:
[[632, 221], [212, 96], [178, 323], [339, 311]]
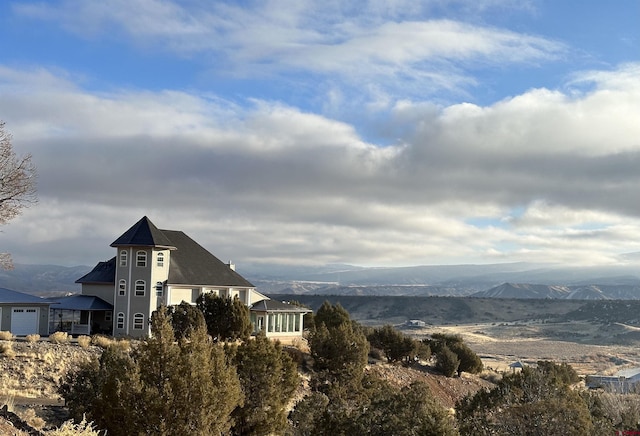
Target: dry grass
[[30, 417], [33, 338], [84, 341], [69, 428], [102, 341], [59, 338], [9, 401], [6, 336], [6, 350]]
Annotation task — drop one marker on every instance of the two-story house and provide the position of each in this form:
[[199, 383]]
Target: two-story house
[[154, 267]]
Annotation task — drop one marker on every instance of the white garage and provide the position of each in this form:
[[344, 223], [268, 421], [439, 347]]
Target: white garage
[[23, 314], [24, 320]]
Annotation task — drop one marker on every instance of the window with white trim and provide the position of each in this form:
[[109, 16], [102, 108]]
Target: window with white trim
[[141, 288], [141, 258], [123, 258], [158, 289], [122, 287], [120, 321], [138, 321], [160, 260]]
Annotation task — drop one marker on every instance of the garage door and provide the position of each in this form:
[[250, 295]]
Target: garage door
[[24, 320]]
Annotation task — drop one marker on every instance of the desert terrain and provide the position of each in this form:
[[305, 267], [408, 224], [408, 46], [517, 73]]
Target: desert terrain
[[590, 348], [595, 338]]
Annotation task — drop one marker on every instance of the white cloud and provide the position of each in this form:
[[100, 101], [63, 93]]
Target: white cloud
[[398, 46], [270, 182]]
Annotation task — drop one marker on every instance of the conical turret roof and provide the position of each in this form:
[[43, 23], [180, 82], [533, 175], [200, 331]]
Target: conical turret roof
[[143, 234]]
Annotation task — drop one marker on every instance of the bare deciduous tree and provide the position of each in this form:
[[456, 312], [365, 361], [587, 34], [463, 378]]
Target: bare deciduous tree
[[17, 185]]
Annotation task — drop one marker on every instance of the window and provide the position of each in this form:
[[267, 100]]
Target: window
[[123, 258], [290, 322], [141, 288], [141, 258], [122, 287], [158, 289], [296, 323], [120, 322], [160, 260], [107, 315], [271, 319], [138, 321]]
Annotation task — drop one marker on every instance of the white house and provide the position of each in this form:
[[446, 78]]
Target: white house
[[154, 267]]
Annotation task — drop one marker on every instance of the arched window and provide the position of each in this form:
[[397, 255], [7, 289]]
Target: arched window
[[120, 321], [158, 289], [141, 288], [138, 321], [123, 258], [160, 260], [141, 258], [122, 287]]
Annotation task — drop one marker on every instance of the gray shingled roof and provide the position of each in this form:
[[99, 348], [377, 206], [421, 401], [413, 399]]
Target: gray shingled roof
[[143, 234], [190, 264], [103, 272], [277, 306], [7, 296]]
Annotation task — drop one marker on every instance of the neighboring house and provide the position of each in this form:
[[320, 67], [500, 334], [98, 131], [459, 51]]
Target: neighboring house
[[624, 382], [154, 267], [23, 314]]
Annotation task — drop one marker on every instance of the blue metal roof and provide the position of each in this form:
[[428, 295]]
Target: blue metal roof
[[80, 302], [15, 297]]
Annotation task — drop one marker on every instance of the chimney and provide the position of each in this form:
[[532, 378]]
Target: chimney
[[231, 266]]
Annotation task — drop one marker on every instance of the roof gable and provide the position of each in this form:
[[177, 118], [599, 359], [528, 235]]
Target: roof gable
[[143, 234]]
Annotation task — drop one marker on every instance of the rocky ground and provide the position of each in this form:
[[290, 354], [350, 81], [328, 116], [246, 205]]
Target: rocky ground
[[30, 374]]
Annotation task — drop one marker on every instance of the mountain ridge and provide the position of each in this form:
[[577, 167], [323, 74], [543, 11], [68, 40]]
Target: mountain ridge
[[508, 280]]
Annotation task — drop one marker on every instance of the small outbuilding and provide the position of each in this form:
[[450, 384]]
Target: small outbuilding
[[23, 314], [516, 366]]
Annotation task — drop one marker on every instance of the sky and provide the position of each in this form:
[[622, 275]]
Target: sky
[[374, 133]]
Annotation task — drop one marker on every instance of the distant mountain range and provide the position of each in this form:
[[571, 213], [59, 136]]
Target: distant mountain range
[[509, 280]]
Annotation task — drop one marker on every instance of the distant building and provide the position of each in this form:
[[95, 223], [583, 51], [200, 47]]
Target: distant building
[[516, 366], [624, 382], [415, 323]]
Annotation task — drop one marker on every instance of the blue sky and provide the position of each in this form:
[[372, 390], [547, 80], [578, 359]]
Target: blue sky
[[374, 133]]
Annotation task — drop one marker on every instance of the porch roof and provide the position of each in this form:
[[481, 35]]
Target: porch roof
[[81, 302]]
